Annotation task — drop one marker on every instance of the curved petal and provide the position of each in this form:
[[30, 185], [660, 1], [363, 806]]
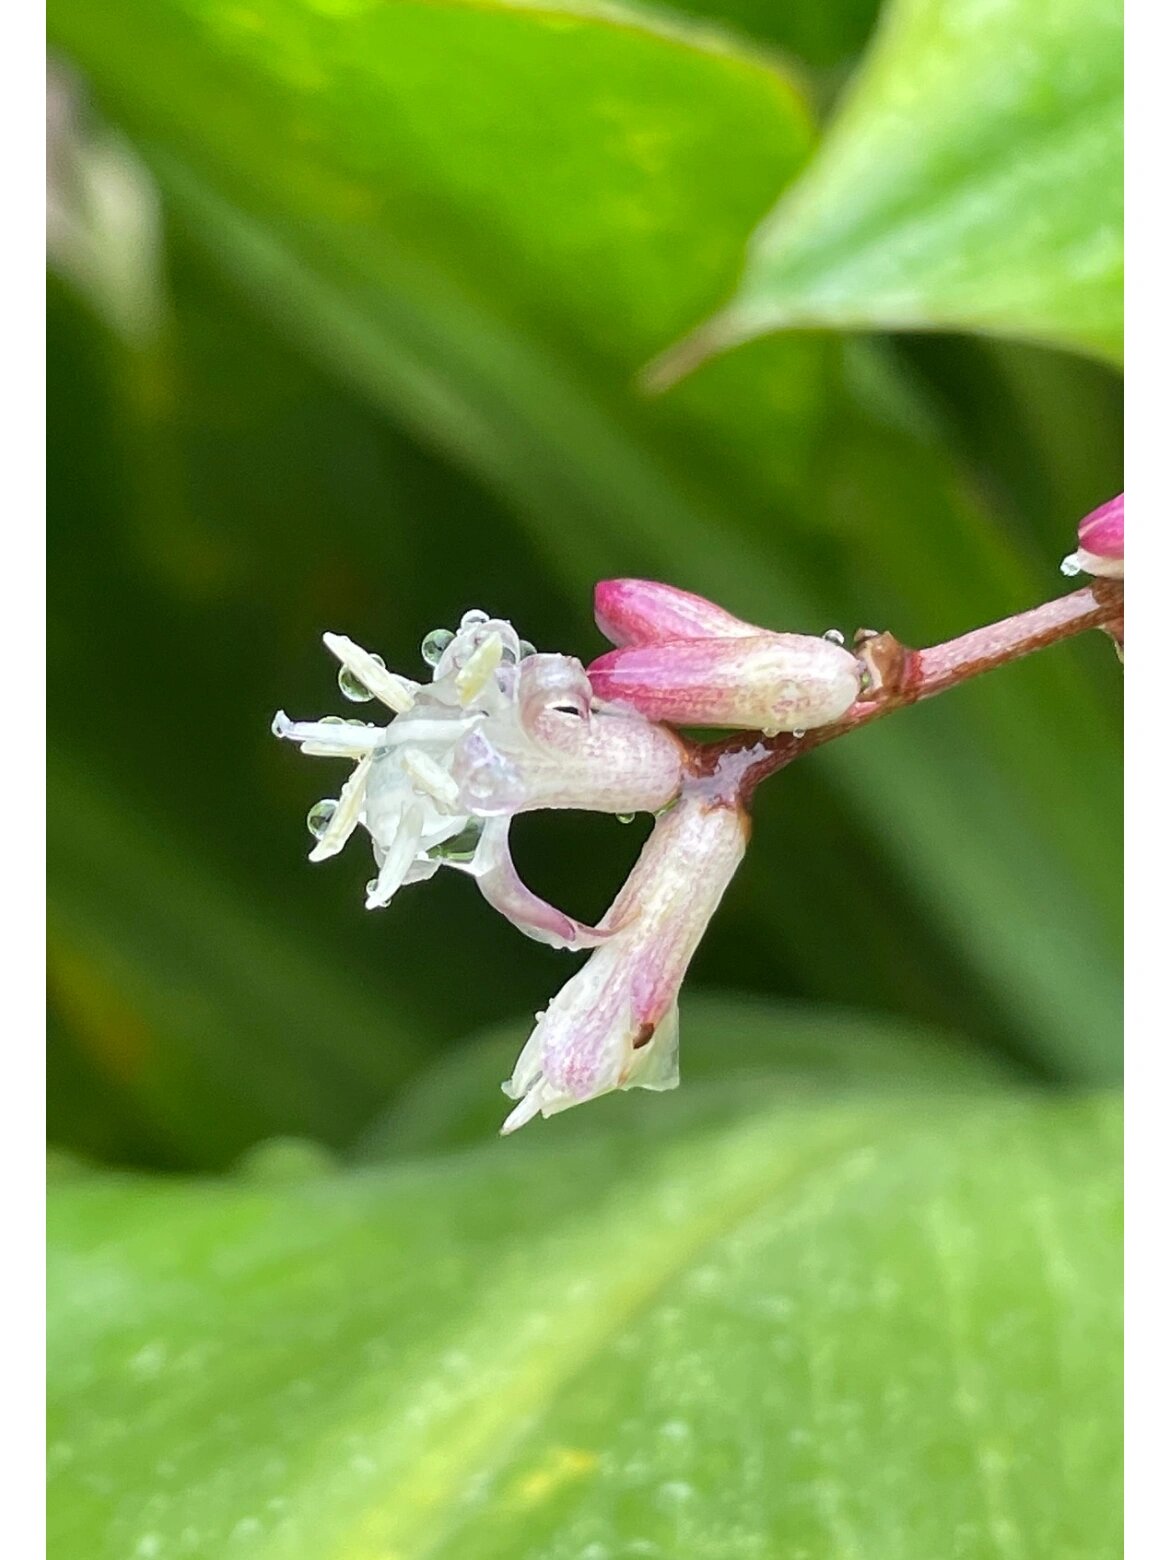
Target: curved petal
[[502, 887], [552, 682], [1102, 533], [643, 612]]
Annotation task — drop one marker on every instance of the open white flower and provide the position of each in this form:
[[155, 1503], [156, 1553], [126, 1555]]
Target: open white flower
[[498, 730]]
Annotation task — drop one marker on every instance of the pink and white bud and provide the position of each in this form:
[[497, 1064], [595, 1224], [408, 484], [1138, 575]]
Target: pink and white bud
[[766, 682], [614, 1025], [1101, 536], [644, 612]]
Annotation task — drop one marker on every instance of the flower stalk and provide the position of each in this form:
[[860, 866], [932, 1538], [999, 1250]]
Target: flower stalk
[[900, 676], [500, 729]]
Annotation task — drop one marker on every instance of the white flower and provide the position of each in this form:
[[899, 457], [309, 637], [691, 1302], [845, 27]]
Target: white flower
[[498, 730], [614, 1025]]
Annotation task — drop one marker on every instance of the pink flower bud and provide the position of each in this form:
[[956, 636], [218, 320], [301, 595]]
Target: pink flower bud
[[769, 682], [1102, 542], [643, 612]]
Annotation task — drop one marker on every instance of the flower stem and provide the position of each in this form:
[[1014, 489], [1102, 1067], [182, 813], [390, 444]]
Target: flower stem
[[900, 676]]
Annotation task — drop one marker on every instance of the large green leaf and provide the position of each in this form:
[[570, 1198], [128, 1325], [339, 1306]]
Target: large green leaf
[[884, 1329], [972, 181]]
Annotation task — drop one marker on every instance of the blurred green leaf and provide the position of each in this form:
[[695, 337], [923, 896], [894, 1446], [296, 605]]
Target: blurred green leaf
[[971, 182], [815, 1050], [885, 1328], [204, 1012]]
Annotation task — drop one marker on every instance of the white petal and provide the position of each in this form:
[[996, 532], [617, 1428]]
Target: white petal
[[417, 729], [327, 738], [655, 1065], [528, 1107], [398, 860]]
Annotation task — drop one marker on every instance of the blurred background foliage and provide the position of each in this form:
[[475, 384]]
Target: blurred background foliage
[[347, 309]]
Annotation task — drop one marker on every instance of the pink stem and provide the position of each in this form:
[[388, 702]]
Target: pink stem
[[900, 676]]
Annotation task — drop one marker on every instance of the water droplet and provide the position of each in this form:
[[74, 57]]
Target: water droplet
[[434, 644], [1070, 566], [527, 648], [625, 817], [371, 886], [473, 619], [460, 847], [319, 816], [798, 731], [332, 720], [352, 686], [834, 636]]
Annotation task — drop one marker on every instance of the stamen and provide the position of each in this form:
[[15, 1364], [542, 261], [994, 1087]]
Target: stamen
[[397, 693], [472, 677], [430, 777], [347, 814]]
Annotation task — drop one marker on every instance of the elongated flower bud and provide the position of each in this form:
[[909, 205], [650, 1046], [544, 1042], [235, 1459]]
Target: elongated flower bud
[[644, 612], [766, 682], [614, 1025], [1101, 536]]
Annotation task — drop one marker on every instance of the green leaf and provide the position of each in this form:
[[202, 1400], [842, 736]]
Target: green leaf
[[813, 1048], [886, 1329], [972, 181]]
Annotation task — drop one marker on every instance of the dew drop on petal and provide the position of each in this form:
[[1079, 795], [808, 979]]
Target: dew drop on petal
[[352, 686], [473, 619], [371, 886], [834, 636], [434, 644], [624, 817], [527, 648], [319, 817], [1070, 567], [798, 731], [332, 720], [460, 847]]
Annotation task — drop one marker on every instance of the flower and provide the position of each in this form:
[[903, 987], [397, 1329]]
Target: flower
[[1101, 538], [684, 660], [614, 1025], [498, 730]]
